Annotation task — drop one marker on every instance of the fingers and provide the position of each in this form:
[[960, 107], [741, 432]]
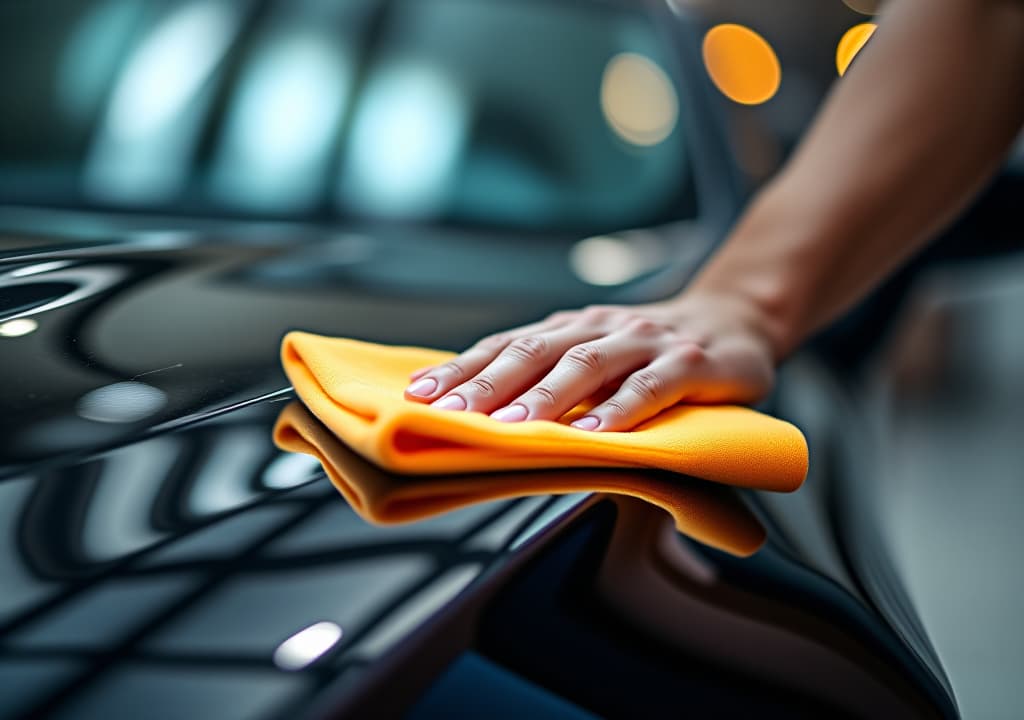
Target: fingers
[[428, 384], [523, 361], [583, 370], [434, 382], [417, 374], [652, 359], [648, 391]]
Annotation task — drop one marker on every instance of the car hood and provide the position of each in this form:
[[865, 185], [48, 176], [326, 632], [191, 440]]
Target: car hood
[[159, 548]]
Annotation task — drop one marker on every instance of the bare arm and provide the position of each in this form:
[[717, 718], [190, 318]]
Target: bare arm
[[904, 141]]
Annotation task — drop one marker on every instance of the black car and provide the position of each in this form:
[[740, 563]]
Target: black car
[[184, 182]]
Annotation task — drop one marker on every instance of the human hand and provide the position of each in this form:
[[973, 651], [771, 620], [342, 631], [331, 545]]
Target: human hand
[[696, 349]]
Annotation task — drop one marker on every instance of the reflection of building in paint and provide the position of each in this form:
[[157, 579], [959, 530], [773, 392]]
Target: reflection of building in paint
[[143, 147], [308, 644], [126, 489], [638, 99], [225, 480], [275, 151], [407, 136], [290, 470]]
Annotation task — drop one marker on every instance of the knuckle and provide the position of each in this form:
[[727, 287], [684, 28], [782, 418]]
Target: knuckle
[[529, 349], [645, 327], [482, 385], [616, 409], [453, 368], [590, 358], [646, 384], [493, 343], [544, 396], [597, 313], [689, 354]]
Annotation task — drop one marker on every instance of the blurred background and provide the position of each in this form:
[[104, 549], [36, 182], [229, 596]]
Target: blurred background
[[318, 109], [585, 126]]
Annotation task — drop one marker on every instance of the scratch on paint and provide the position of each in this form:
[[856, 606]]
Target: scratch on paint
[[150, 372]]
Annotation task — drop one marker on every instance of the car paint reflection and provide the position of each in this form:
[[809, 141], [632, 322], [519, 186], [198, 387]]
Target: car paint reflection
[[208, 607], [194, 498], [124, 317], [714, 513], [105, 534]]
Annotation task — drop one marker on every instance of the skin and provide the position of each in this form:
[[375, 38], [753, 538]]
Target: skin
[[908, 136]]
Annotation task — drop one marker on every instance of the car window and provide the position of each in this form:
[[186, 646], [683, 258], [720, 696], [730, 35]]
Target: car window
[[507, 112]]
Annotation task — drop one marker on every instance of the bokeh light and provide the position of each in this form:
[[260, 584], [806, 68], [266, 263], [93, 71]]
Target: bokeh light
[[18, 328], [638, 99], [851, 43], [307, 645], [864, 7], [741, 63], [608, 260]]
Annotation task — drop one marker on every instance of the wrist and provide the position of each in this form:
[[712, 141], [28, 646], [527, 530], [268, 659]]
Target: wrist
[[761, 275], [738, 313]]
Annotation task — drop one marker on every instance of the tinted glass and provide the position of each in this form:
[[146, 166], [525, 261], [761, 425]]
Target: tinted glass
[[515, 113]]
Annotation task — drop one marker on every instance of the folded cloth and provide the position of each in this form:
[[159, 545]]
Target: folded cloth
[[711, 514], [356, 390]]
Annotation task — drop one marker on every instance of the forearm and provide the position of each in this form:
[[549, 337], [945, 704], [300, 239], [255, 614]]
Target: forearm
[[904, 141]]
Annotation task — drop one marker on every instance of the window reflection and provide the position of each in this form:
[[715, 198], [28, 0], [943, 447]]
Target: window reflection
[[289, 470], [118, 519], [280, 132], [221, 594], [406, 139], [143, 149], [225, 480], [480, 111]]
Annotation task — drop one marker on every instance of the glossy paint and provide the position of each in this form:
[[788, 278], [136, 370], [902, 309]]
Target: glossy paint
[[161, 558], [159, 551]]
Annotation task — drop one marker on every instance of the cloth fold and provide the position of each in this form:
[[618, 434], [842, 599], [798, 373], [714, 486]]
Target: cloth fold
[[709, 513], [356, 390]]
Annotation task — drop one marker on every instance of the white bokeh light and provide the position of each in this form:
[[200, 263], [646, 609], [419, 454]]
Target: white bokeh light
[[18, 327], [307, 645]]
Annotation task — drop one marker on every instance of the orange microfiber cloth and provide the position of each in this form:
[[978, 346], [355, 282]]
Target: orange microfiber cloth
[[711, 514], [356, 390]]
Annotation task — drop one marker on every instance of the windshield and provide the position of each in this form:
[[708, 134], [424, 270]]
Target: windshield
[[509, 112]]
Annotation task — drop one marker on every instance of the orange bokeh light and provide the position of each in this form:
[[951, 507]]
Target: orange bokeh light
[[851, 43], [741, 63]]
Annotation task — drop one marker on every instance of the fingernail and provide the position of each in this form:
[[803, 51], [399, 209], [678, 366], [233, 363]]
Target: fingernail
[[512, 413], [450, 402], [422, 388], [587, 422]]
